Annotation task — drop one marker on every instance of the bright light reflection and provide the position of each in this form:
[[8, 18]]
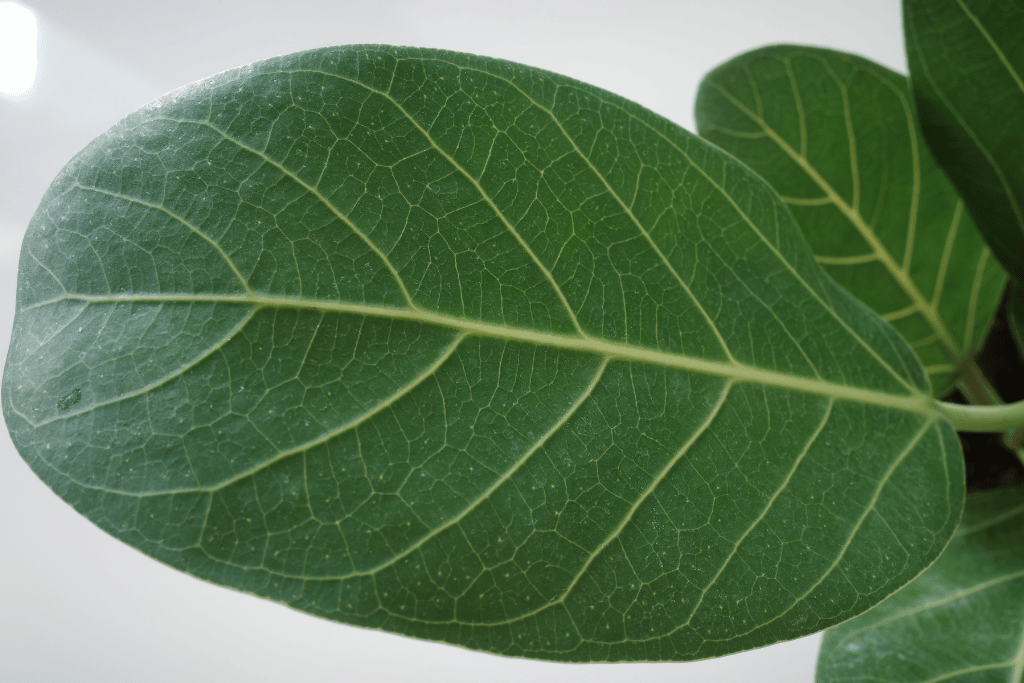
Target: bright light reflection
[[18, 49]]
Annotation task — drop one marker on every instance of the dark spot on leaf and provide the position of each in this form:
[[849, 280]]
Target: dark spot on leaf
[[65, 402]]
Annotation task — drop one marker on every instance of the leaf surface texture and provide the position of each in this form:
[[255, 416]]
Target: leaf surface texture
[[472, 352]]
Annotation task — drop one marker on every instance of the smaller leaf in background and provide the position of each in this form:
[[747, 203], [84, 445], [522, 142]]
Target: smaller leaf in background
[[966, 62], [959, 621], [1015, 315], [835, 135]]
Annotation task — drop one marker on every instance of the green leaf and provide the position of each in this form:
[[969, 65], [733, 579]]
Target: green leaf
[[960, 621], [835, 135], [966, 62], [469, 351]]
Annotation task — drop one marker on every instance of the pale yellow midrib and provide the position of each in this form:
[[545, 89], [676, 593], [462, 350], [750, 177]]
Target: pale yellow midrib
[[926, 308], [916, 402]]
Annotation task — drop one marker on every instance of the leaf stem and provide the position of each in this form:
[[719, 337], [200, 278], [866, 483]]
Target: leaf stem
[[990, 418], [975, 386], [978, 391]]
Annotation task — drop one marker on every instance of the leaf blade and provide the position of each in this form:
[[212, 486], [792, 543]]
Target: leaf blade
[[432, 445]]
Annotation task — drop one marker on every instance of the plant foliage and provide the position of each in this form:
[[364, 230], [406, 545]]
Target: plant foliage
[[835, 135], [472, 352]]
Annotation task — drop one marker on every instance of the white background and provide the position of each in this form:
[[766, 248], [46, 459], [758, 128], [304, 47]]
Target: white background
[[76, 605]]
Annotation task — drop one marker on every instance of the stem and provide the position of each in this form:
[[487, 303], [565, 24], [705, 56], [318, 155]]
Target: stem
[[974, 385], [992, 418], [976, 388]]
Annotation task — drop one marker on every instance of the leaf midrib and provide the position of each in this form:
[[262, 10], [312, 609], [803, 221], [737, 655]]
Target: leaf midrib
[[902, 278], [429, 139], [628, 210], [915, 402]]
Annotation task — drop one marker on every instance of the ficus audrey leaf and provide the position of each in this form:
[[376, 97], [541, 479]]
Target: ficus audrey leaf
[[472, 352], [835, 135], [966, 62], [959, 622]]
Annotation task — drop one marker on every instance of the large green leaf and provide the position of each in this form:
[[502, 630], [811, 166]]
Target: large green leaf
[[962, 620], [835, 135], [473, 352], [966, 62]]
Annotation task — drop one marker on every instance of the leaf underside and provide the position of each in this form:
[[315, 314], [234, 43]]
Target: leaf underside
[[835, 135], [966, 60], [961, 621], [472, 352]]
